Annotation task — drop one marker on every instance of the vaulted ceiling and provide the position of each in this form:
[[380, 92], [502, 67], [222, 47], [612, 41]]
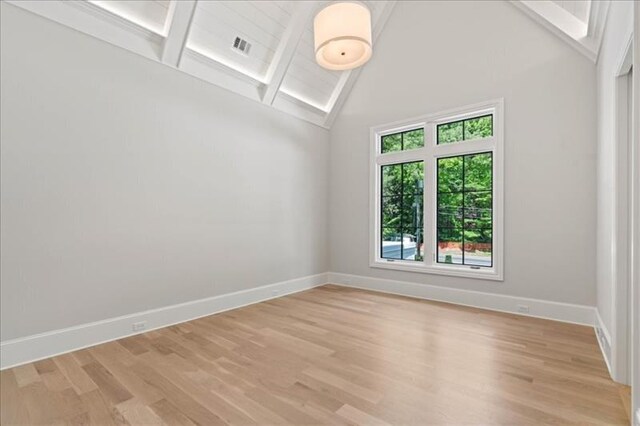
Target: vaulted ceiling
[[275, 62], [578, 22]]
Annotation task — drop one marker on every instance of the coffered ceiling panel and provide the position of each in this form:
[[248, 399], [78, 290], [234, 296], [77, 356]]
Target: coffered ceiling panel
[[217, 24]]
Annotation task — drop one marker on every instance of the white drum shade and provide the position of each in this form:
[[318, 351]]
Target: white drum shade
[[342, 33]]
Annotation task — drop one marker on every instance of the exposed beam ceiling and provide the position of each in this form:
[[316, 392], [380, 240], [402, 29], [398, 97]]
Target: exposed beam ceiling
[[179, 22], [286, 49], [196, 37]]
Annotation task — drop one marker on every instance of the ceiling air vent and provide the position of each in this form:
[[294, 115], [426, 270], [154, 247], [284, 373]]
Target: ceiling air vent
[[241, 45]]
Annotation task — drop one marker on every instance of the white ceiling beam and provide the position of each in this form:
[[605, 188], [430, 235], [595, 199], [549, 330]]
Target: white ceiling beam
[[286, 49], [348, 78], [179, 23]]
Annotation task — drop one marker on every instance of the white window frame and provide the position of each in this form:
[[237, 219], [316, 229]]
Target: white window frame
[[429, 154]]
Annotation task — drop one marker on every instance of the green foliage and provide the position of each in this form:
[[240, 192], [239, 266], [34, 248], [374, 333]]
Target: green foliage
[[450, 174], [450, 132], [465, 199], [402, 199], [403, 202], [413, 139], [477, 128], [464, 130], [391, 143], [403, 141]]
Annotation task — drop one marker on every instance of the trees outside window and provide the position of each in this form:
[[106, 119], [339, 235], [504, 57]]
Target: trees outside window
[[437, 188]]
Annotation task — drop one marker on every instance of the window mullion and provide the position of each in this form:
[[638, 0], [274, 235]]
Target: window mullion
[[400, 157]]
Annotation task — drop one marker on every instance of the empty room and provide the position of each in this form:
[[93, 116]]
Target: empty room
[[319, 212]]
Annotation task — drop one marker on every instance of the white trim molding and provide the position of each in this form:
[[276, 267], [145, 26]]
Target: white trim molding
[[622, 220], [23, 350], [585, 37], [19, 351], [565, 312], [604, 340]]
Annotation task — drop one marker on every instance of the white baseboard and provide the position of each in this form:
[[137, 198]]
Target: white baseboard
[[44, 345], [565, 312], [604, 340], [32, 348]]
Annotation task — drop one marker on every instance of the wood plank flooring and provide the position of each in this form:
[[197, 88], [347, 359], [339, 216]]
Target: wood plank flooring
[[330, 355]]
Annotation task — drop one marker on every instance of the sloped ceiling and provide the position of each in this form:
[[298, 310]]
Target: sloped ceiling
[[197, 37], [578, 22], [279, 69]]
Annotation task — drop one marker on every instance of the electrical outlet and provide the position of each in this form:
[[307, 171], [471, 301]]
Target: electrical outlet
[[137, 326], [523, 309]]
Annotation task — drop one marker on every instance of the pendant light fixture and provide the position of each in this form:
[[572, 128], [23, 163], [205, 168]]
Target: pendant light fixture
[[342, 33]]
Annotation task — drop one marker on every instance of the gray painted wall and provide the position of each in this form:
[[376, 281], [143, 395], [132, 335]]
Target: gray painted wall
[[434, 56], [128, 185]]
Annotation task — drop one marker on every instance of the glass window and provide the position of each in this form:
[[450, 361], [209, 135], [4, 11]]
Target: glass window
[[438, 202], [402, 209], [403, 141], [465, 210], [465, 130]]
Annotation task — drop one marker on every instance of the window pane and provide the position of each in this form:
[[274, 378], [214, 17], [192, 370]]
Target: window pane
[[391, 243], [413, 139], [450, 210], [465, 209], [412, 242], [392, 143], [412, 177], [412, 211], [391, 212], [450, 245], [477, 172], [450, 132], [478, 210], [450, 174], [478, 247], [402, 204], [476, 128], [465, 130], [392, 179], [403, 141]]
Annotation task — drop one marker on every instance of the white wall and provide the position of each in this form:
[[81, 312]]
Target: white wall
[[438, 55], [127, 185], [617, 32]]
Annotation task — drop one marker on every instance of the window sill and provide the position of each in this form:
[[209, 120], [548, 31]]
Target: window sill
[[454, 271]]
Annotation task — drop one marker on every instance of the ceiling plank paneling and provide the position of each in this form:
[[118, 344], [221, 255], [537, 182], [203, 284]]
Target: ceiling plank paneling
[[286, 50], [150, 14]]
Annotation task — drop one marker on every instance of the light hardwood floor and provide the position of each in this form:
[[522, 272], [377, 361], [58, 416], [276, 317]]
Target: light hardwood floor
[[330, 355]]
